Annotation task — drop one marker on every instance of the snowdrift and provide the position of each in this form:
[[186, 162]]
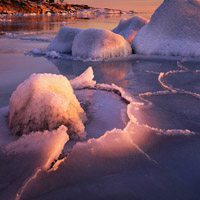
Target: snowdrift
[[44, 102], [128, 28], [63, 41], [97, 44], [174, 29]]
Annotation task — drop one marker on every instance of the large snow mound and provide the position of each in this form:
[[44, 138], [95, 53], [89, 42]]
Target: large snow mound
[[128, 28], [174, 29], [44, 102], [97, 44], [63, 41]]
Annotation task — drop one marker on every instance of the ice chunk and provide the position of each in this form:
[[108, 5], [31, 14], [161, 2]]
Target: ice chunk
[[174, 29], [63, 41], [53, 141], [97, 44], [44, 102], [84, 80], [128, 28]]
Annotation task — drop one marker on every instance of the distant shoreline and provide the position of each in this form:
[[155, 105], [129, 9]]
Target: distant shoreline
[[18, 7]]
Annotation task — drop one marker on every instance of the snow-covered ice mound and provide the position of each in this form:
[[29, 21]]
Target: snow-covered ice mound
[[174, 29], [128, 28], [97, 44], [63, 41], [44, 102]]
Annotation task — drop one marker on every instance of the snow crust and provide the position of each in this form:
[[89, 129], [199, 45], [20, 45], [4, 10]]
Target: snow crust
[[99, 44], [63, 41], [44, 102], [174, 29], [128, 28], [23, 159], [53, 141]]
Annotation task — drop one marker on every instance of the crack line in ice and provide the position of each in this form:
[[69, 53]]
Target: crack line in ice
[[172, 89], [144, 153], [128, 99], [54, 166], [181, 66], [158, 131], [23, 188]]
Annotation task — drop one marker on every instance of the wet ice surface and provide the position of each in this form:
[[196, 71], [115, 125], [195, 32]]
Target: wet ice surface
[[154, 156], [102, 113]]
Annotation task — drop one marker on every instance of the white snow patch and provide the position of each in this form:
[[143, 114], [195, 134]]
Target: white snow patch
[[174, 29], [99, 44], [44, 102], [128, 28]]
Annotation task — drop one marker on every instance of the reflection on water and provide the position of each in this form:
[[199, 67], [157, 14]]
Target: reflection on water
[[44, 23], [105, 72]]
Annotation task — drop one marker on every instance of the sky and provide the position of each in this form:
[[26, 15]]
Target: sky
[[136, 5]]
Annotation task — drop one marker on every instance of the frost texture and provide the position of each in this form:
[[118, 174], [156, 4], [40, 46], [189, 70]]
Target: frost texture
[[63, 41], [97, 44], [44, 102], [128, 28], [174, 29]]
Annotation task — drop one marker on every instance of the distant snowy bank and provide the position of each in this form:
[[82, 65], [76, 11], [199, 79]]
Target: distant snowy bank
[[94, 44], [172, 31]]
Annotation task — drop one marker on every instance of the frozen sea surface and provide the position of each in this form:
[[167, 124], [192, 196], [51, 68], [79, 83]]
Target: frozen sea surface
[[144, 149]]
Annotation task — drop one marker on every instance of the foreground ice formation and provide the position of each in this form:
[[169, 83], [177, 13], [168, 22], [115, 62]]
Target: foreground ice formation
[[44, 102], [18, 170], [53, 141], [63, 41], [97, 44], [174, 29], [128, 28]]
